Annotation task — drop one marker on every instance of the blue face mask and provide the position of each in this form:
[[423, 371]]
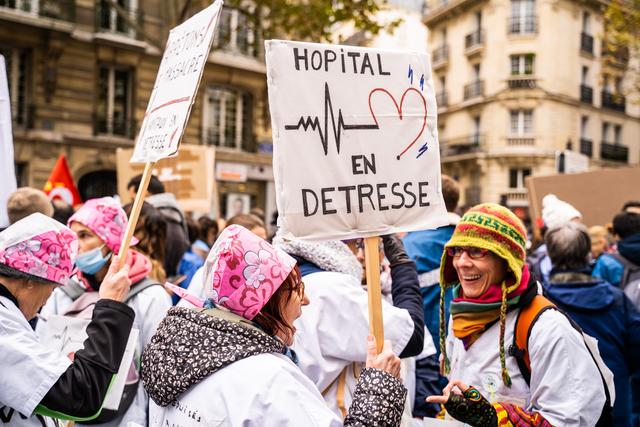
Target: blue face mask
[[92, 261]]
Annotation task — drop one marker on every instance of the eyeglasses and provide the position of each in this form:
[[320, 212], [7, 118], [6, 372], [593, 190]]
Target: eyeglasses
[[299, 290], [473, 252]]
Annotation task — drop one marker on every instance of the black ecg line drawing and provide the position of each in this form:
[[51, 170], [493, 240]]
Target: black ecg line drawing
[[315, 125]]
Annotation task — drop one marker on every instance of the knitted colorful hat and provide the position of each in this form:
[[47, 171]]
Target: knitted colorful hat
[[496, 228], [106, 218], [243, 271], [40, 246]]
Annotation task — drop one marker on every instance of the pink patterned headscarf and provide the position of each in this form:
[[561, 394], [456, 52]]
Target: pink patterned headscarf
[[105, 218], [243, 271], [40, 246]]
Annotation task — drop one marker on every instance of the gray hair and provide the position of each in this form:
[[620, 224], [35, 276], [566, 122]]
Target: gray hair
[[568, 245], [12, 273]]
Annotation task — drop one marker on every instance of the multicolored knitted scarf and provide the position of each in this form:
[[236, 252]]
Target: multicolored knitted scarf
[[496, 228], [473, 316]]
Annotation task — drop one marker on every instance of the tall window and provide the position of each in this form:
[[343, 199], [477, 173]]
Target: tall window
[[586, 22], [523, 19], [475, 136], [227, 118], [517, 176], [110, 20], [617, 134], [521, 122], [17, 65], [605, 131], [114, 109], [476, 72], [585, 75], [522, 64], [584, 124], [235, 33]]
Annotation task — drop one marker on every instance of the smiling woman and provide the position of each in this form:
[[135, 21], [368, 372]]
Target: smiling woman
[[484, 265]]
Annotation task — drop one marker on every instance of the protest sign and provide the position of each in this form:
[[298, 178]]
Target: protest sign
[[355, 147], [65, 335], [176, 85], [355, 140], [598, 195], [173, 95], [189, 176]]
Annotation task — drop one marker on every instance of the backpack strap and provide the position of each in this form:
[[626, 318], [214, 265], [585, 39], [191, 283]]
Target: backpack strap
[[139, 287], [524, 323], [73, 289], [520, 347], [628, 268]]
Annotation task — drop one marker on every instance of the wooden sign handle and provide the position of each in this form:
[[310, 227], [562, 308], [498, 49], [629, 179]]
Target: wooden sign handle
[[372, 262], [135, 212]]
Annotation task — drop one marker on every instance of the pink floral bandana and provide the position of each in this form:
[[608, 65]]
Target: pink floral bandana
[[243, 271], [105, 218], [40, 246]]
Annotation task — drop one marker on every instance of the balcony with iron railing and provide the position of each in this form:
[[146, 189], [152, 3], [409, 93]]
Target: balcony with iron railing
[[474, 89], [440, 56], [613, 101], [586, 147], [470, 144], [116, 19], [522, 81], [473, 42], [586, 43], [526, 24], [64, 10], [441, 99], [586, 94], [614, 152], [521, 140]]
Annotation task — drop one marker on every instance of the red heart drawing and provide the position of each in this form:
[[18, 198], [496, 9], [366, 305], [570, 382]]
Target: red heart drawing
[[399, 109]]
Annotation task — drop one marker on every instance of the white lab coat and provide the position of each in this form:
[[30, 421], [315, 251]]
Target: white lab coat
[[150, 307], [331, 334], [566, 387], [27, 370], [263, 390]]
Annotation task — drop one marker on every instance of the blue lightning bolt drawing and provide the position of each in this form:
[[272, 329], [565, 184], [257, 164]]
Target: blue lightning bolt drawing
[[422, 83], [410, 74], [422, 150]]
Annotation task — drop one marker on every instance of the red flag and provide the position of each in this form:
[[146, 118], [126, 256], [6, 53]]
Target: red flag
[[60, 183]]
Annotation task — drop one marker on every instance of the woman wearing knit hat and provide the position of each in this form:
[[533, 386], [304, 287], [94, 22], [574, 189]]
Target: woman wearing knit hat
[[100, 225], [484, 263], [36, 384], [230, 363]]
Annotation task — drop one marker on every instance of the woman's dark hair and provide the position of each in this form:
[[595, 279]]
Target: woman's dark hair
[[192, 228], [12, 273], [151, 230], [204, 225], [271, 318]]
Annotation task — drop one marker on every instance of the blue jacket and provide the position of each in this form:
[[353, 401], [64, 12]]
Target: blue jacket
[[605, 313], [425, 247], [610, 269]]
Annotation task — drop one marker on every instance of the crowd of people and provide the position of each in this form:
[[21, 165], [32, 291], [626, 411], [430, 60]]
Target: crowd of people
[[238, 326]]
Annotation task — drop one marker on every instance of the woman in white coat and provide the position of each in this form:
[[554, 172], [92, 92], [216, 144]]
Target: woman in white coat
[[484, 262], [36, 384], [230, 364], [100, 225]]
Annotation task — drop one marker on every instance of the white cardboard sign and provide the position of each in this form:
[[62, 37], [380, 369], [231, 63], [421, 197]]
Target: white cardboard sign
[[355, 140], [176, 85]]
